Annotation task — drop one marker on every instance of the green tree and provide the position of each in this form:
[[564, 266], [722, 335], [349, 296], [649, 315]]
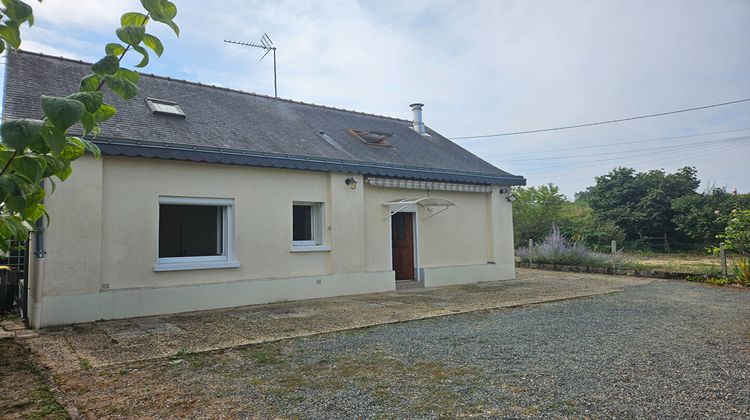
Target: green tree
[[36, 150], [736, 236], [535, 211], [640, 203], [578, 222], [702, 216]]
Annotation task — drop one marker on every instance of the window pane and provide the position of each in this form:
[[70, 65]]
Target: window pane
[[302, 223], [190, 231]]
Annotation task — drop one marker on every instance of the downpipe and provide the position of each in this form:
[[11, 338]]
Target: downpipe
[[37, 277]]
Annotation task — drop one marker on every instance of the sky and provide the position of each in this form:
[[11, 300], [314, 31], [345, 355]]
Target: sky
[[480, 67]]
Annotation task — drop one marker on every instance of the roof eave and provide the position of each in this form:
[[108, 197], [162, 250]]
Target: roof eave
[[195, 154]]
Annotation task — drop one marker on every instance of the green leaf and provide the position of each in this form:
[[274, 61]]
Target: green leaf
[[34, 194], [114, 48], [104, 113], [133, 18], [5, 155], [18, 134], [54, 137], [131, 34], [16, 198], [128, 74], [30, 166], [154, 43], [91, 100], [90, 83], [91, 147], [10, 33], [54, 165], [174, 27], [12, 227], [144, 53], [88, 122], [107, 65], [39, 145], [73, 150], [2, 46], [62, 112], [162, 11], [34, 212], [121, 86], [18, 11], [64, 173], [6, 186]]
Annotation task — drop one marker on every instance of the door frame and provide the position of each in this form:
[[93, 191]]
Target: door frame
[[412, 208]]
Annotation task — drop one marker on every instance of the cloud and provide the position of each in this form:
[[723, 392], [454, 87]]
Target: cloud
[[480, 67]]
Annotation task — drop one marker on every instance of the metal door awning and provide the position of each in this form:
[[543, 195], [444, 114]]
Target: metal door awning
[[427, 202]]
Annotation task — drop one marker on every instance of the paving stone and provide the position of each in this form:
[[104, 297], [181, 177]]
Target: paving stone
[[6, 334], [12, 325], [26, 334]]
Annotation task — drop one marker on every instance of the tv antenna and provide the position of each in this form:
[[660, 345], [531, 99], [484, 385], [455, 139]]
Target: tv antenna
[[267, 45]]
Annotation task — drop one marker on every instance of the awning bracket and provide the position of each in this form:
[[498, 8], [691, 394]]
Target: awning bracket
[[427, 202]]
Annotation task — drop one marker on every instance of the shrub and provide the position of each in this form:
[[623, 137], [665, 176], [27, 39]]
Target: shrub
[[740, 268], [557, 249]]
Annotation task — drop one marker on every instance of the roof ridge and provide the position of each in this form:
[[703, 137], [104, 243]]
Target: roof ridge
[[189, 82]]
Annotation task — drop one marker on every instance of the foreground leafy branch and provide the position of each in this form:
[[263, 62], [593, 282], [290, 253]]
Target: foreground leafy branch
[[34, 150]]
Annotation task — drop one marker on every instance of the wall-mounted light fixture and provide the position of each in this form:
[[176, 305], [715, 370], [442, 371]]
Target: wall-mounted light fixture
[[502, 190], [511, 198], [351, 182]]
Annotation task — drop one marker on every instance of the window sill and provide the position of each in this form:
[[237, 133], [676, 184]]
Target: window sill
[[310, 248], [206, 265]]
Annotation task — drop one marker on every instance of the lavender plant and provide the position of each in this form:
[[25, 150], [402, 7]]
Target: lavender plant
[[558, 249]]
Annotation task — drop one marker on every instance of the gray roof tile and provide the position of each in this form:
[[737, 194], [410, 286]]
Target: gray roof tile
[[219, 118]]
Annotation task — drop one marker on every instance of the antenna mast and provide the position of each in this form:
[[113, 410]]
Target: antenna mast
[[267, 45]]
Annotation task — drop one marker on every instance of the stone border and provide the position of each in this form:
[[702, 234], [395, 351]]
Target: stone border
[[613, 271]]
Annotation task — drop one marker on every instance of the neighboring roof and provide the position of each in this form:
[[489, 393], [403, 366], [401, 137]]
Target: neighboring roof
[[235, 127]]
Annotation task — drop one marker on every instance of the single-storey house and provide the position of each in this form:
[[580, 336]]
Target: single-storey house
[[208, 197]]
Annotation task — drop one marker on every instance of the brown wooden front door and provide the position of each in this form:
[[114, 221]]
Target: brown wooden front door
[[402, 238]]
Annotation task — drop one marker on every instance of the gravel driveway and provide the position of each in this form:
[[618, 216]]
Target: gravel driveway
[[665, 349]]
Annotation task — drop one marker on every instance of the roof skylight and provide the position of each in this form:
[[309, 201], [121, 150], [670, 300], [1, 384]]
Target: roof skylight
[[160, 106]]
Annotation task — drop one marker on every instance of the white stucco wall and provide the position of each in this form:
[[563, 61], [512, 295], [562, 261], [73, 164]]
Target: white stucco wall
[[102, 241]]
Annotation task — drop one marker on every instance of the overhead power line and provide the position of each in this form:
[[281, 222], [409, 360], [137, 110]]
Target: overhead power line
[[623, 152], [597, 146], [630, 156], [568, 127], [698, 154]]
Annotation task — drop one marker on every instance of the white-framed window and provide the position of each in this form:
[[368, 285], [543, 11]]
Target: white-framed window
[[307, 224], [195, 233]]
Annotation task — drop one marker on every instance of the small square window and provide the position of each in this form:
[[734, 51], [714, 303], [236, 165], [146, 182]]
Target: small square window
[[307, 222], [160, 106]]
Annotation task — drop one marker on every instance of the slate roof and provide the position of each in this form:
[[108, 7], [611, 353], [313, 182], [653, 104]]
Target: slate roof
[[230, 126]]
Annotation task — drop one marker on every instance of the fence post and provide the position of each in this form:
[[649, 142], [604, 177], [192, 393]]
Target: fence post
[[614, 251], [666, 243], [723, 258], [531, 250]]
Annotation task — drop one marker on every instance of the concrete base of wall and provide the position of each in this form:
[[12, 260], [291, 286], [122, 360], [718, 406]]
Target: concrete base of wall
[[127, 303], [464, 274]]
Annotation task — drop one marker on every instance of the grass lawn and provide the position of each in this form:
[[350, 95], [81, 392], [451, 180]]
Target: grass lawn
[[698, 263]]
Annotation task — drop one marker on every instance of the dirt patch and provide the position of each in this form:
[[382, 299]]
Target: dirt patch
[[23, 390], [267, 380]]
